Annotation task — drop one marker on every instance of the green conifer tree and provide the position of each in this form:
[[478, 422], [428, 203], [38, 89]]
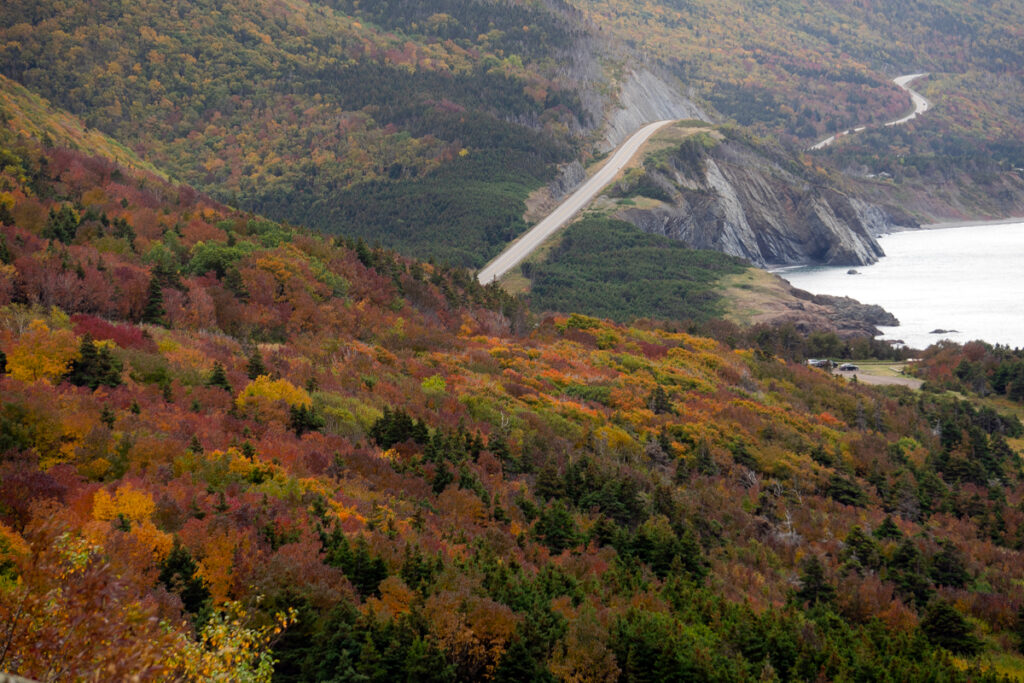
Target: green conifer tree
[[154, 311], [218, 378], [255, 367], [96, 366], [942, 625], [814, 586]]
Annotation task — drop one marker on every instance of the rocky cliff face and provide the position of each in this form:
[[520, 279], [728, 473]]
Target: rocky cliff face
[[644, 98], [728, 196]]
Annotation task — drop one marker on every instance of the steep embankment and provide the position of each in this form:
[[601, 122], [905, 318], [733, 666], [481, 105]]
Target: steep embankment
[[573, 204], [643, 98], [352, 118], [720, 190]]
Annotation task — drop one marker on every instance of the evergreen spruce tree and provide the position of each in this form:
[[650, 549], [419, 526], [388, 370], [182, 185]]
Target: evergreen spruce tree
[[948, 566], [442, 478], [255, 367], [248, 450], [887, 530], [107, 416], [556, 528], [218, 378], [81, 368], [62, 224], [304, 419], [154, 311], [95, 366], [179, 573], [942, 625], [814, 586]]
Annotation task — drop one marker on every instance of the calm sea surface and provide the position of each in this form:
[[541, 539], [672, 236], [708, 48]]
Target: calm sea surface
[[968, 279]]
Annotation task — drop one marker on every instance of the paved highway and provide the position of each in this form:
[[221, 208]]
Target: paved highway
[[921, 105], [573, 204]]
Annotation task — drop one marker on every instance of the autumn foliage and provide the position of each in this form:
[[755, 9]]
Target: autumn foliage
[[462, 496]]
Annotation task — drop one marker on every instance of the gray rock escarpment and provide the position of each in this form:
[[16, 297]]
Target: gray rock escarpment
[[645, 98], [734, 199], [570, 176]]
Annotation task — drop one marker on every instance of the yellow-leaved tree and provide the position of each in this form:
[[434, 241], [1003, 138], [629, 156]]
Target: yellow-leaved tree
[[131, 510], [266, 398], [42, 353], [230, 650]]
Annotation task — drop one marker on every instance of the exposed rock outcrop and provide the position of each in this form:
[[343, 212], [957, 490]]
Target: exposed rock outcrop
[[645, 98], [568, 179], [759, 297], [728, 196], [847, 317], [850, 316]]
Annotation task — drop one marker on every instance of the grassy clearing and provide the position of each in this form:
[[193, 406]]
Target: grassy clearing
[[1008, 664], [879, 368], [754, 296]]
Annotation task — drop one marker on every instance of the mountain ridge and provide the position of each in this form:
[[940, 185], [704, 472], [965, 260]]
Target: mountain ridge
[[331, 115]]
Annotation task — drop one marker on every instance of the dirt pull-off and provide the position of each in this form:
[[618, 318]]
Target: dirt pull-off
[[868, 376]]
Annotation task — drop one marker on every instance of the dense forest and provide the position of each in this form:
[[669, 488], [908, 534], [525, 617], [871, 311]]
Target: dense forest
[[808, 67], [358, 118], [607, 268], [975, 368], [311, 115], [233, 450]]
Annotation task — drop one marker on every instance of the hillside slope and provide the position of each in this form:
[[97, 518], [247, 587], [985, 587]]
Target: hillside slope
[[229, 449], [360, 119], [801, 70], [717, 188], [346, 120]]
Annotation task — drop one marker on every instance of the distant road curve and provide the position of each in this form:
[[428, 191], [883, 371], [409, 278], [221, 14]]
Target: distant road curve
[[573, 204], [921, 105]]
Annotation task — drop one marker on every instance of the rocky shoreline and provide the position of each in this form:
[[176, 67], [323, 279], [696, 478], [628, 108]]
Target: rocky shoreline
[[849, 316], [846, 317]]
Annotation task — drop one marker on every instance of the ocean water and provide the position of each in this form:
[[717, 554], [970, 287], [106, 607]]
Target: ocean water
[[968, 279]]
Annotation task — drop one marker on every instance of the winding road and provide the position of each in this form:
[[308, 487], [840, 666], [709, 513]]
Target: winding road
[[573, 204], [578, 200], [921, 105]]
